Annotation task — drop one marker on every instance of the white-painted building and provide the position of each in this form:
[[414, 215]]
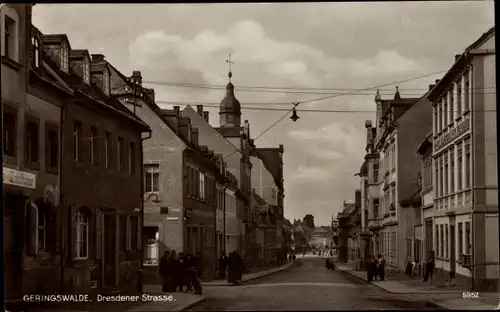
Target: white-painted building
[[465, 166]]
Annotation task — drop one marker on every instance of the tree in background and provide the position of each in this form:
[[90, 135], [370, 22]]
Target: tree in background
[[309, 221]]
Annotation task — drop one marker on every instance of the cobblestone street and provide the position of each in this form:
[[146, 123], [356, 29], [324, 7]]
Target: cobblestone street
[[305, 286]]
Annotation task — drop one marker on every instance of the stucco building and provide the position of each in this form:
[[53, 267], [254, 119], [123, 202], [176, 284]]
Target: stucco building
[[180, 175], [389, 144], [465, 166]]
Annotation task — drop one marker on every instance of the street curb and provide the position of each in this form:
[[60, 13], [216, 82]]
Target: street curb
[[429, 303], [190, 305], [250, 279]]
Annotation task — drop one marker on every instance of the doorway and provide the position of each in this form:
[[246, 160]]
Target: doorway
[[13, 246], [453, 262], [109, 254]]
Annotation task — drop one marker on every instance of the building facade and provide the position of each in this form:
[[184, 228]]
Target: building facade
[[32, 108], [388, 145], [464, 162], [231, 237], [101, 185], [427, 197]]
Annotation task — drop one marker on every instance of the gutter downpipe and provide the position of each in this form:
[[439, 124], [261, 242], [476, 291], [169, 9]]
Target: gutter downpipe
[[61, 191], [471, 241], [226, 186], [141, 270]]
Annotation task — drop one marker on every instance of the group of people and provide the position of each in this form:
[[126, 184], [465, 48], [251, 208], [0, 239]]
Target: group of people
[[234, 265], [376, 268], [181, 272]]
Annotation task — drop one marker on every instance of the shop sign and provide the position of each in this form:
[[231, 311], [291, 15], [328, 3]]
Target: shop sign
[[456, 132], [19, 178]]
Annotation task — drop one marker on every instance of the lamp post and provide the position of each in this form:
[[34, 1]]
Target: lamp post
[[141, 269]]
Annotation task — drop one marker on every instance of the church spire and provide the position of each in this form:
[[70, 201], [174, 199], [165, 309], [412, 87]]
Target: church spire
[[230, 108]]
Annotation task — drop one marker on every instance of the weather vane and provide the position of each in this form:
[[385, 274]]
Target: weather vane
[[230, 74]]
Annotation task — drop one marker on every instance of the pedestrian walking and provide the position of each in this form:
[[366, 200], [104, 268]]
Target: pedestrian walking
[[293, 257], [240, 266], [193, 281], [231, 269], [371, 268], [175, 265], [381, 267], [198, 259], [290, 257], [222, 265], [429, 266], [165, 272], [409, 268]]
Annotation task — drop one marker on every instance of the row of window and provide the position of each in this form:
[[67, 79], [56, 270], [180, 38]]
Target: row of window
[[454, 162], [103, 149], [200, 185], [31, 140], [453, 103], [129, 228], [389, 160], [442, 239]]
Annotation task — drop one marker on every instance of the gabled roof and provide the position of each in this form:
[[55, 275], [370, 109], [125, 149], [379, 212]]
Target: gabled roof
[[272, 161]]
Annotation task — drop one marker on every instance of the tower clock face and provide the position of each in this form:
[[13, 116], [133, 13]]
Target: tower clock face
[[229, 118]]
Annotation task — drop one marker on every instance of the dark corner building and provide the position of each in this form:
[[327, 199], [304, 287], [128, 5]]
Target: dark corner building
[[71, 171]]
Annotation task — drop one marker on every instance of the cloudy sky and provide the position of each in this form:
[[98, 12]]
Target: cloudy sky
[[309, 50]]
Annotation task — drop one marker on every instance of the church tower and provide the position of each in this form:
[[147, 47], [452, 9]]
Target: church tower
[[230, 108]]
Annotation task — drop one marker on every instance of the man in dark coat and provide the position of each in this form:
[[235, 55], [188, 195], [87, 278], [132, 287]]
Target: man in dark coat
[[222, 265], [176, 272], [198, 259], [165, 272], [232, 269]]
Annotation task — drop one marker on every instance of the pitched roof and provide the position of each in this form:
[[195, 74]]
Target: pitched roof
[[92, 91], [272, 162]]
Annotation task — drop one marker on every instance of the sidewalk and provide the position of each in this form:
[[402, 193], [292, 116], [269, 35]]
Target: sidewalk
[[250, 276], [443, 298]]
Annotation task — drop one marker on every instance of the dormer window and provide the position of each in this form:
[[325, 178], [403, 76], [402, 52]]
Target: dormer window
[[64, 56], [86, 70], [35, 57], [105, 82]]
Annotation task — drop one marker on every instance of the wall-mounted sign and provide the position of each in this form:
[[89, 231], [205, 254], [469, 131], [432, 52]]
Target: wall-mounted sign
[[175, 209], [172, 218], [19, 178], [460, 129]]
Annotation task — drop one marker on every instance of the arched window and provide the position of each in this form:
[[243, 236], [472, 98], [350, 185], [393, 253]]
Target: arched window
[[35, 57], [82, 234]]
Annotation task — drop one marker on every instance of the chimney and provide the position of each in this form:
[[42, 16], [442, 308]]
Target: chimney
[[97, 57], [431, 86], [437, 81], [184, 127], [194, 136], [457, 56], [199, 109], [136, 76], [150, 94], [205, 116], [281, 148], [368, 123], [357, 198], [177, 111]]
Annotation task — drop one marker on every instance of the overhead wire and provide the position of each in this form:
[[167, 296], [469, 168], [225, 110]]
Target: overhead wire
[[344, 94], [276, 89]]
